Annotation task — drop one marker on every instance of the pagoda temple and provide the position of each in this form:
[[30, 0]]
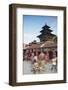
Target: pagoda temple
[[47, 44], [46, 34]]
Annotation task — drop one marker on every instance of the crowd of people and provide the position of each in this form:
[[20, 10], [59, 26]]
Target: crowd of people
[[39, 61]]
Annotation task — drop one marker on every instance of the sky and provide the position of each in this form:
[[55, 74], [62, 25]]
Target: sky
[[33, 25]]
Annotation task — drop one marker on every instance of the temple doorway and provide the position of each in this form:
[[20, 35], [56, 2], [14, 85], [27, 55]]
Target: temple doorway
[[50, 54], [56, 53]]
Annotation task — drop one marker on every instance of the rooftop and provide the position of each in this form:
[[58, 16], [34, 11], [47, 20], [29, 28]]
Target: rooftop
[[46, 44]]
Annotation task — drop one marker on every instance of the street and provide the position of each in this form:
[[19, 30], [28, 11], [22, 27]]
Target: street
[[27, 68]]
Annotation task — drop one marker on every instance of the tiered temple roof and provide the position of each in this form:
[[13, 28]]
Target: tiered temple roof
[[46, 34]]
